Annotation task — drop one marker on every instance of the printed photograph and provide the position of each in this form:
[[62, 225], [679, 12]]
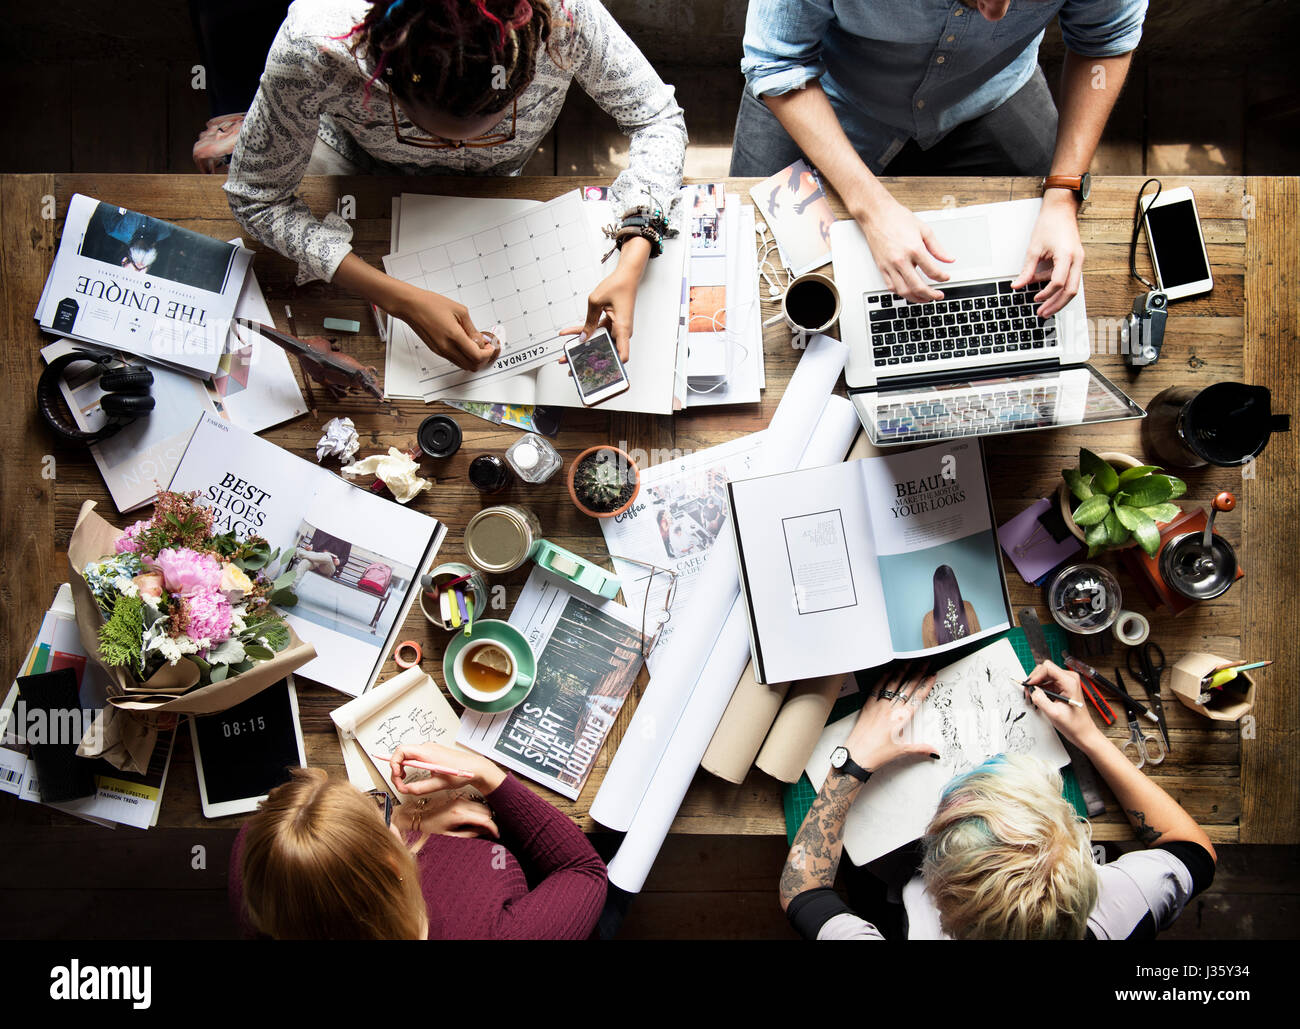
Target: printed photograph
[[690, 512], [706, 217], [139, 243], [707, 311], [795, 206], [344, 587]]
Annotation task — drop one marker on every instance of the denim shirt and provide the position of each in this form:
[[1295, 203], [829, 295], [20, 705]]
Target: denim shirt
[[914, 69]]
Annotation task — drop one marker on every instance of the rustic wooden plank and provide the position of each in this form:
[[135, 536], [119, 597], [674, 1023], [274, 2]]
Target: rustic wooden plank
[[1270, 763]]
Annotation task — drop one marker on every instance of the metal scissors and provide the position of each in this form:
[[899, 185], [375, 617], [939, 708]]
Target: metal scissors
[[1140, 749], [1151, 666]]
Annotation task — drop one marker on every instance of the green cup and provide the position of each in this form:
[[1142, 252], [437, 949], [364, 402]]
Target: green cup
[[510, 639]]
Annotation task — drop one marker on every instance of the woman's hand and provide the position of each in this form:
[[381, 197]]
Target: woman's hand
[[446, 327], [484, 775], [1055, 242], [1074, 723], [901, 243], [613, 302], [877, 736]]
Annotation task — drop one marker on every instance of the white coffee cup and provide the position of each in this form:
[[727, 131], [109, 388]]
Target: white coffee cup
[[482, 696]]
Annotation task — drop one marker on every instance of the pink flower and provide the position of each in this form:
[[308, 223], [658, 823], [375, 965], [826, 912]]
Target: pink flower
[[126, 543], [209, 615], [185, 571], [150, 585]]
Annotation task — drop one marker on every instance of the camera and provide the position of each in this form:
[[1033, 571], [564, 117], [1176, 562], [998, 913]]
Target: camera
[[1143, 333]]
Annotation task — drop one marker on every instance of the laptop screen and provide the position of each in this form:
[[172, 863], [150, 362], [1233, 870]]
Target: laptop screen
[[991, 406]]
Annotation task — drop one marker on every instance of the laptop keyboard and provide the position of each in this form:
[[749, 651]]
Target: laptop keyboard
[[969, 414], [974, 320]]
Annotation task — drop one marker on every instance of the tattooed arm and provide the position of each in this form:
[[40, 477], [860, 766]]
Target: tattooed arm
[[815, 856]]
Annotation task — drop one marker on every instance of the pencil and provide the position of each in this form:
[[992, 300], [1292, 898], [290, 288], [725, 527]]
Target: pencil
[[427, 766], [1058, 697]]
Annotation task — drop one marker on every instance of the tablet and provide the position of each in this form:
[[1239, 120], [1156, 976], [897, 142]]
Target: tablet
[[245, 752]]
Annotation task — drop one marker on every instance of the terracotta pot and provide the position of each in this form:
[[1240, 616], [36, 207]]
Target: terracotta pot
[[620, 456], [1065, 499]]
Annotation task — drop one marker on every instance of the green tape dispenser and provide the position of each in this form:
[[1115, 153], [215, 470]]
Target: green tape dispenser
[[578, 570]]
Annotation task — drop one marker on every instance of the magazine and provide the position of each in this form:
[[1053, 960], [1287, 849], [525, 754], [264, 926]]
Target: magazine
[[588, 657], [855, 564], [795, 206], [357, 557], [127, 281]]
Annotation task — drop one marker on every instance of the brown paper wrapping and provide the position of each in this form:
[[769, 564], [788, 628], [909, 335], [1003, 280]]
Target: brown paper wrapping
[[749, 715], [131, 730], [799, 726]]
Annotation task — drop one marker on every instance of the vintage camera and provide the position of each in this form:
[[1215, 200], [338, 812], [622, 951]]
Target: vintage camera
[[1143, 333]]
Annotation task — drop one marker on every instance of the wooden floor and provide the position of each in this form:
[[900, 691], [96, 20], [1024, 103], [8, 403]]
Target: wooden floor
[[118, 107]]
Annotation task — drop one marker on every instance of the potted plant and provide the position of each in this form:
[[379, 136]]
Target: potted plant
[[603, 481], [1113, 500]]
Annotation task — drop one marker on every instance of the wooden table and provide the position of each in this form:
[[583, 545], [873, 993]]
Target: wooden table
[[1240, 789]]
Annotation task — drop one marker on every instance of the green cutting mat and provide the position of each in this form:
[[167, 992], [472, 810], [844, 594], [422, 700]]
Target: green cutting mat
[[797, 798]]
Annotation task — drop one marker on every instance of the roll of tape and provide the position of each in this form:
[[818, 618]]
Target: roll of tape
[[411, 646], [1131, 628]]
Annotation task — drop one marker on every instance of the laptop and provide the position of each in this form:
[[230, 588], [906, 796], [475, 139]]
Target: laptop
[[980, 362]]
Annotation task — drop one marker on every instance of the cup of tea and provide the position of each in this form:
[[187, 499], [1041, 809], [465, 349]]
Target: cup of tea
[[491, 670], [811, 303]]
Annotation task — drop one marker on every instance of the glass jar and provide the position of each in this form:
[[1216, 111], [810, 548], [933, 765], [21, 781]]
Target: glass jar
[[533, 458]]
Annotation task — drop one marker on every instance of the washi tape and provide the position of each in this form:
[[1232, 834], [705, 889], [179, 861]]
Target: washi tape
[[1131, 628], [410, 645]]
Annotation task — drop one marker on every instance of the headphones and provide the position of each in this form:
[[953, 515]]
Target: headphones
[[126, 396]]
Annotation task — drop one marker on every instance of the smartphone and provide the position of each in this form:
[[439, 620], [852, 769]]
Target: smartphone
[[597, 371], [1173, 230]]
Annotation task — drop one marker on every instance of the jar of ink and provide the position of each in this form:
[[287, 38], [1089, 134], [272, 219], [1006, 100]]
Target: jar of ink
[[489, 473]]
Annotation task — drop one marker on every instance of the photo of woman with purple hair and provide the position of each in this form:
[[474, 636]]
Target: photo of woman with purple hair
[[951, 618]]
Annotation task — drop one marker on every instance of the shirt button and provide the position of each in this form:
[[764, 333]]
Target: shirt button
[[959, 12], [939, 61], [920, 104], [950, 39]]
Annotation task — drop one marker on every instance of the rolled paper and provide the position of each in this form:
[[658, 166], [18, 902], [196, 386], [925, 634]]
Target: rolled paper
[[749, 715], [799, 726]]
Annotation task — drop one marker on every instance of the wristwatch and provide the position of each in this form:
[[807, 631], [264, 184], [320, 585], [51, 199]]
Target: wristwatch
[[841, 762], [1079, 185]]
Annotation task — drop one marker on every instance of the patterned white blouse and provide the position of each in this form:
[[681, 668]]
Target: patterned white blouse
[[314, 88]]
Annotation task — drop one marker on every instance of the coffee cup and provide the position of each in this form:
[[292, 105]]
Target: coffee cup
[[492, 670], [811, 304]]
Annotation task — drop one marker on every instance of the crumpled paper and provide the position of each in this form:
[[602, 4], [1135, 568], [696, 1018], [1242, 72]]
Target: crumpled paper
[[340, 440], [397, 470]]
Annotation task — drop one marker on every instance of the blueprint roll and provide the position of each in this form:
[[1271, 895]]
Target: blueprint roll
[[799, 726], [659, 712], [711, 690]]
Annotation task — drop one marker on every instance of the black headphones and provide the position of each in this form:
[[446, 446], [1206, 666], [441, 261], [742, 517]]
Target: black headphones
[[126, 397]]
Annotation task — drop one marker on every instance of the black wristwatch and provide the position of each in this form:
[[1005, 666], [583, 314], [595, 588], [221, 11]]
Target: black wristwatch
[[841, 762]]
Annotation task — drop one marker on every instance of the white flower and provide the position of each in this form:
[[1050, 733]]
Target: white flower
[[126, 587]]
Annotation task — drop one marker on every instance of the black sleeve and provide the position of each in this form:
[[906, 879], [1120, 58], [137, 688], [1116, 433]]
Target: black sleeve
[[1196, 858], [812, 909]]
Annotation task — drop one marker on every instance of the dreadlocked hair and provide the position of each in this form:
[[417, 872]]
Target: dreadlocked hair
[[466, 57]]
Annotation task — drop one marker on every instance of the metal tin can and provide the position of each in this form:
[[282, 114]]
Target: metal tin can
[[446, 573], [500, 539]]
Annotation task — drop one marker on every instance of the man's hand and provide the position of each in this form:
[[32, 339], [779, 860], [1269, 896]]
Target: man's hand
[[900, 244], [445, 326], [1054, 243], [1074, 723], [877, 736]]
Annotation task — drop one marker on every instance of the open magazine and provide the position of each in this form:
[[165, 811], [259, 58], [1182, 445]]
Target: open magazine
[[132, 282], [855, 564], [357, 556]]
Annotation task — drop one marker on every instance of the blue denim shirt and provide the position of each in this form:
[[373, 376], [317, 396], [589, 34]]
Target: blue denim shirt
[[914, 69]]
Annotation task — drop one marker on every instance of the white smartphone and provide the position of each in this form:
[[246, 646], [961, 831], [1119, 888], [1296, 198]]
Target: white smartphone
[[597, 371], [1173, 230]]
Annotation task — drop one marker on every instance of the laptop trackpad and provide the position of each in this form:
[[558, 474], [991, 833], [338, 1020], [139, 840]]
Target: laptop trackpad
[[969, 241]]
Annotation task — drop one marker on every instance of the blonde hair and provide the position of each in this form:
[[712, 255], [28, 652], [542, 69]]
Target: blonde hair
[[1006, 857], [319, 863]]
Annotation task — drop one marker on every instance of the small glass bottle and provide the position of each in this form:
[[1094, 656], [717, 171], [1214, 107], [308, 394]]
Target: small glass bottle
[[489, 474], [533, 458]]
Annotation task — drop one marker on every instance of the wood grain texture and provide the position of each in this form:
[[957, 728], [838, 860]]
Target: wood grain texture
[[1210, 768]]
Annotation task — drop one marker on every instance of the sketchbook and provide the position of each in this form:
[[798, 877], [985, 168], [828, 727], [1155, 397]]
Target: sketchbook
[[854, 565], [356, 556], [975, 711]]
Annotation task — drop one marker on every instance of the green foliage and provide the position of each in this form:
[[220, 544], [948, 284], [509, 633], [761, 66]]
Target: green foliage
[[122, 636], [1118, 506], [600, 481]]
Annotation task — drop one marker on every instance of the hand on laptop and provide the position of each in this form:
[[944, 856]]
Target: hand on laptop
[[1055, 243], [901, 243]]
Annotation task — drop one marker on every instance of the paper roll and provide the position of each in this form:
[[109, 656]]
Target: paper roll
[[749, 715], [799, 726], [660, 709]]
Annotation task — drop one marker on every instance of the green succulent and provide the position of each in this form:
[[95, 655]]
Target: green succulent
[[1118, 506], [600, 481]]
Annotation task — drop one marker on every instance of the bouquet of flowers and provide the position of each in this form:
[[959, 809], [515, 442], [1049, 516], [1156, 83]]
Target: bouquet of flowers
[[173, 591]]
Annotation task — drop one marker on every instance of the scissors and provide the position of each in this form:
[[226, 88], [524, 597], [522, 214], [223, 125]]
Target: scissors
[[1140, 749], [1151, 666]]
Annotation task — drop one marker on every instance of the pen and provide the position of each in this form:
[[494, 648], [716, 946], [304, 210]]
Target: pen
[[439, 769], [1058, 697], [1222, 676], [1131, 706]]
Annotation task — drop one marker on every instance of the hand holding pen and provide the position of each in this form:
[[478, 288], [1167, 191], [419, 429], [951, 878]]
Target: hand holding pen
[[1069, 714]]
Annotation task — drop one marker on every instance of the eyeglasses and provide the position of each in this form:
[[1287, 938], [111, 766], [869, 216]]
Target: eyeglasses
[[384, 802], [663, 617], [438, 143]]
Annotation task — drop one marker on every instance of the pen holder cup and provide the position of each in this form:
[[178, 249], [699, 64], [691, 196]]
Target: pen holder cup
[[476, 586], [1227, 704]]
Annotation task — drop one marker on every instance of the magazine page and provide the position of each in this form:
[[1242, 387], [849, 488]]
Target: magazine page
[[137, 458], [588, 657], [935, 546], [673, 525], [809, 573], [131, 282]]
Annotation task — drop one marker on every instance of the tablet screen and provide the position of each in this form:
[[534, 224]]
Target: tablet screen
[[247, 751]]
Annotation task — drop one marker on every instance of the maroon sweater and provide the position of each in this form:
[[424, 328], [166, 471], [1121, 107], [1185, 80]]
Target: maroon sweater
[[479, 889]]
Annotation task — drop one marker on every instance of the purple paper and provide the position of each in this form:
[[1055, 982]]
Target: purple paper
[[1030, 546]]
